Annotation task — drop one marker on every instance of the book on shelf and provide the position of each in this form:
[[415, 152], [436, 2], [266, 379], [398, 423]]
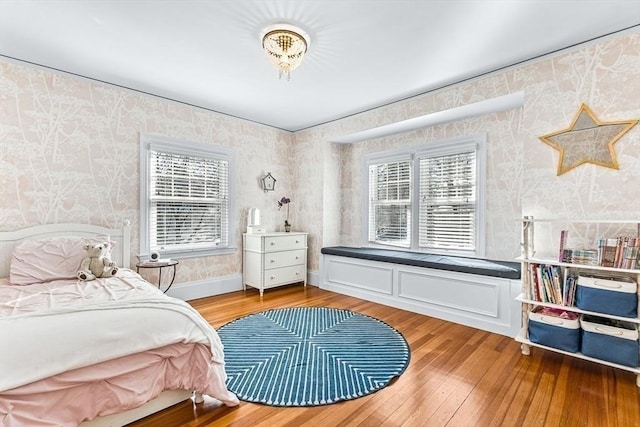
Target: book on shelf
[[532, 289], [542, 294], [563, 243], [584, 256], [621, 243], [620, 252], [547, 285], [569, 296], [556, 279], [607, 252], [631, 253], [627, 252], [631, 256]]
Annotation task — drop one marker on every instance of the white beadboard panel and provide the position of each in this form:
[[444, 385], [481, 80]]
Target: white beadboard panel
[[370, 276], [463, 292], [482, 302]]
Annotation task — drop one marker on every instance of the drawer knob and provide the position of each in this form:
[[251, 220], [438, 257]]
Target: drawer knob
[[272, 261], [273, 277], [273, 243], [297, 257], [297, 241]]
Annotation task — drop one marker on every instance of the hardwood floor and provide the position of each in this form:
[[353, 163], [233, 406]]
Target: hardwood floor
[[458, 376]]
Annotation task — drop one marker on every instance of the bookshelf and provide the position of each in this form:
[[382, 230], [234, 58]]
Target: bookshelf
[[533, 296]]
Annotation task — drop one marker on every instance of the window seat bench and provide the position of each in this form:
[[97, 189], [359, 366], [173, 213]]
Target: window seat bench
[[505, 269], [474, 292]]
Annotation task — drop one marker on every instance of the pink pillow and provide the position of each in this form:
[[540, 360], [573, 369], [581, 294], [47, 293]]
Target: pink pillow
[[34, 261]]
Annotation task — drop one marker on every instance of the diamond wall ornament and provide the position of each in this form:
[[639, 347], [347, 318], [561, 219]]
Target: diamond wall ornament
[[587, 140]]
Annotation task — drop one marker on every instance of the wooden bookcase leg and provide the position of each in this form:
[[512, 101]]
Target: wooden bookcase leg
[[526, 349]]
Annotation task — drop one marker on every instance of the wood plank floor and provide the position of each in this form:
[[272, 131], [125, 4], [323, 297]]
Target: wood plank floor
[[458, 376]]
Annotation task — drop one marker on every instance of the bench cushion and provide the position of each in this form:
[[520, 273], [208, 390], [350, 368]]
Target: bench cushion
[[483, 267]]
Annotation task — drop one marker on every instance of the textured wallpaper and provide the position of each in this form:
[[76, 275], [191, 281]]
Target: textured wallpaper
[[69, 151], [521, 169]]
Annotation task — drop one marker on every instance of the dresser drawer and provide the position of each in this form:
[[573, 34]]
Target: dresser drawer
[[278, 276], [283, 243], [274, 259], [284, 259]]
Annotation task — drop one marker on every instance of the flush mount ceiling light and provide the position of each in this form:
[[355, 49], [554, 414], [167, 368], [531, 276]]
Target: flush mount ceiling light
[[285, 46]]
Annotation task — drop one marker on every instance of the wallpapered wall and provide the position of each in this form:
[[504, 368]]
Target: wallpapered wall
[[521, 170], [69, 151]]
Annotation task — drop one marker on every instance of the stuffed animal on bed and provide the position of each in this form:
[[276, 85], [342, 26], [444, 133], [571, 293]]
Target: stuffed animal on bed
[[97, 263]]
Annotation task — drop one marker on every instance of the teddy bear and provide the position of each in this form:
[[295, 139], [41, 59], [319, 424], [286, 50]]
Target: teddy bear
[[97, 263]]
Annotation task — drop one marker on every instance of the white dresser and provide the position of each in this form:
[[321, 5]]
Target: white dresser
[[274, 259]]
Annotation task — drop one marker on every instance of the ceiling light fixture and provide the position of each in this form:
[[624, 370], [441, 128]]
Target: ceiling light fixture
[[285, 47]]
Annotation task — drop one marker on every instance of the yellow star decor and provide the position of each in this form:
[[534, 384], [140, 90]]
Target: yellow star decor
[[587, 140]]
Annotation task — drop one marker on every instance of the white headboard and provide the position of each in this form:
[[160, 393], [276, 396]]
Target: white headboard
[[121, 253]]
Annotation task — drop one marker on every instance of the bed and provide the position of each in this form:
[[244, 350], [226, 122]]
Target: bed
[[91, 353]]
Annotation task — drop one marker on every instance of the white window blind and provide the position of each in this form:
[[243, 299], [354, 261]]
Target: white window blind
[[390, 203], [448, 201], [189, 202], [186, 198], [427, 198]]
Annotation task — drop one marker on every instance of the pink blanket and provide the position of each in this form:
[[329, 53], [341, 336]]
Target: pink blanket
[[72, 351], [113, 386]]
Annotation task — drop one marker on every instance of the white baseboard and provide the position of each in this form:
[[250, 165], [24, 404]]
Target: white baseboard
[[221, 285], [206, 288], [313, 277]]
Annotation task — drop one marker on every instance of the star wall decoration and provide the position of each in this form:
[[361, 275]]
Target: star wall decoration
[[587, 140]]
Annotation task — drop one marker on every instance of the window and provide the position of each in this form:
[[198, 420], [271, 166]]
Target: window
[[390, 195], [185, 198], [448, 201], [428, 198]]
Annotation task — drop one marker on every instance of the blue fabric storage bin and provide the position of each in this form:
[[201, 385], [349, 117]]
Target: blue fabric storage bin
[[611, 340], [608, 295], [553, 331]]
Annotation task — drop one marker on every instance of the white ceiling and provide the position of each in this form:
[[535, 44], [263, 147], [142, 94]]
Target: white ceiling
[[363, 54]]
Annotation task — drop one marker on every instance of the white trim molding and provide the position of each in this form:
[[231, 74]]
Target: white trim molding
[[220, 285], [488, 106]]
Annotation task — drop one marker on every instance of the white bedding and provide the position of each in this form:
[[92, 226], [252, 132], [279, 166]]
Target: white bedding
[[67, 324]]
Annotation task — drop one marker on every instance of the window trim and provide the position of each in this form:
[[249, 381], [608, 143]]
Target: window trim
[[150, 142], [414, 153]]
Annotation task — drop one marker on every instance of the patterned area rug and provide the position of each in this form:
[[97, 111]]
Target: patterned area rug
[[308, 356]]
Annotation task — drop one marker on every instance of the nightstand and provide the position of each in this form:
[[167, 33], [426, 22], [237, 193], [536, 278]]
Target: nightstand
[[159, 265]]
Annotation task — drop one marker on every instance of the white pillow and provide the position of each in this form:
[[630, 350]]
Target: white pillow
[[35, 261]]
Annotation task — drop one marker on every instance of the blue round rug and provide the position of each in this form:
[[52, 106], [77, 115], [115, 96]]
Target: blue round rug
[[308, 356]]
